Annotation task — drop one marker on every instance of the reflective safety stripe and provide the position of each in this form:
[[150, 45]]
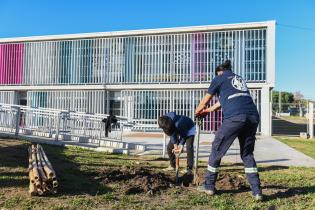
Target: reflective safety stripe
[[251, 170], [238, 95], [212, 169]]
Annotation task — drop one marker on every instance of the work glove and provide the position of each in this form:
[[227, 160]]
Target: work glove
[[201, 114], [178, 149]]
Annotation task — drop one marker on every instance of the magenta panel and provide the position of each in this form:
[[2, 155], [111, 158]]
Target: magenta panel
[[199, 46], [193, 59], [2, 63], [214, 120], [11, 63]]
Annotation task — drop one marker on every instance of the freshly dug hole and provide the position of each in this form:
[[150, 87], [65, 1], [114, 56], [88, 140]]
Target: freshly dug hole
[[136, 180], [133, 180], [231, 182]]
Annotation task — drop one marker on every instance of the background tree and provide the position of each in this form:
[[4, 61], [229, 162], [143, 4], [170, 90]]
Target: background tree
[[298, 99], [286, 97], [282, 103]]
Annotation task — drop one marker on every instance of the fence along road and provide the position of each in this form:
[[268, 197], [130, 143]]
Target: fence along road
[[292, 119]]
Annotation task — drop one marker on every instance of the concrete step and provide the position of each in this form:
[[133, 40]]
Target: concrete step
[[42, 134], [26, 131], [44, 140], [118, 144], [108, 144], [112, 150], [97, 148], [5, 129]]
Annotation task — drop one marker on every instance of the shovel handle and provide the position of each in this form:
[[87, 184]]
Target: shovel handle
[[196, 177], [177, 168], [177, 161]]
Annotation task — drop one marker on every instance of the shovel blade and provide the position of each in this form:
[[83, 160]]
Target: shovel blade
[[196, 179]]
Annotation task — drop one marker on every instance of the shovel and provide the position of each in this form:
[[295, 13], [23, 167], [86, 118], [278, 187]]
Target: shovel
[[196, 176], [177, 167]]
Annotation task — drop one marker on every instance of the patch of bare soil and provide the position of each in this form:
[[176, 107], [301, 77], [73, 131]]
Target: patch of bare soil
[[136, 180], [231, 182], [133, 180]]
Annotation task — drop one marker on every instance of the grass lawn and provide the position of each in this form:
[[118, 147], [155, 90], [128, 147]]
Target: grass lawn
[[306, 146], [295, 119], [93, 180]]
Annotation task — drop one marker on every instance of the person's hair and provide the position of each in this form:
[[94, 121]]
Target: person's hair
[[167, 124], [224, 67]]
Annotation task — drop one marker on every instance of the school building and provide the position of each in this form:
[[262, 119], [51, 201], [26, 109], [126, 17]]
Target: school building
[[139, 74]]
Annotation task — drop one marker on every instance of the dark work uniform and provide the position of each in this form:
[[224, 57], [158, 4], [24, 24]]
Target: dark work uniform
[[111, 119], [184, 133], [240, 119]]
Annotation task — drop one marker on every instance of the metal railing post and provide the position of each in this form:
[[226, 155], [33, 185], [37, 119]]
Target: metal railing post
[[164, 146], [84, 125], [50, 127], [121, 131], [100, 131], [57, 126], [17, 119]]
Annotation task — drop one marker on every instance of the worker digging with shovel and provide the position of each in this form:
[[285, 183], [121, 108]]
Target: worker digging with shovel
[[181, 130], [240, 119]]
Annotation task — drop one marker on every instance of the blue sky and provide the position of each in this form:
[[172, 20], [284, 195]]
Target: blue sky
[[295, 47]]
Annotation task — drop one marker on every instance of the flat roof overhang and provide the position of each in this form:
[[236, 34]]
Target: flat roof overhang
[[160, 31], [122, 87]]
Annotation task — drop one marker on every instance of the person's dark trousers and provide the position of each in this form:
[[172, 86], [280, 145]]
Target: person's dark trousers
[[111, 119], [189, 149], [244, 127]]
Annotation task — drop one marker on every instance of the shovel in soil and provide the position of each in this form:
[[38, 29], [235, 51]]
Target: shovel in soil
[[196, 176], [177, 168]]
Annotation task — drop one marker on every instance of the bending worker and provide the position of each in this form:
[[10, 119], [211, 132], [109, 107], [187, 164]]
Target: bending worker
[[240, 119], [181, 130]]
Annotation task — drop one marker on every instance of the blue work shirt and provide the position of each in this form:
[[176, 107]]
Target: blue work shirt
[[233, 95], [184, 127]]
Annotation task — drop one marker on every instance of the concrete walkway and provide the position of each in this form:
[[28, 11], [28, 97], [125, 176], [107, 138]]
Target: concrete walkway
[[267, 151]]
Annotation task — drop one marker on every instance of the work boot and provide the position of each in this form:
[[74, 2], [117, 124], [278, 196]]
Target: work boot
[[187, 171], [169, 168], [188, 177], [202, 188], [259, 197]]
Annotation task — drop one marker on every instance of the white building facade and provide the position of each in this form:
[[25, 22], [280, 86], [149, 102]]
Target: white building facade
[[139, 74]]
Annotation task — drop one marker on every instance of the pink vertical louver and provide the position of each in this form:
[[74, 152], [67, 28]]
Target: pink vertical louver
[[1, 63], [11, 63], [200, 55], [193, 56]]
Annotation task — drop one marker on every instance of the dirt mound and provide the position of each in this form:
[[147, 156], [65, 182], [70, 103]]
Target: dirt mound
[[231, 182], [133, 180], [136, 180]]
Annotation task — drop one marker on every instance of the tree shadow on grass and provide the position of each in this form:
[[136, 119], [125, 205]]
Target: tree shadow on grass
[[287, 192], [281, 191], [14, 182], [13, 154], [72, 180], [272, 168], [230, 167], [13, 179], [240, 190], [13, 163]]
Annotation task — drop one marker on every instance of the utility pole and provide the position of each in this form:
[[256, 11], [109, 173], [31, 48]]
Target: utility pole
[[311, 119], [279, 102]]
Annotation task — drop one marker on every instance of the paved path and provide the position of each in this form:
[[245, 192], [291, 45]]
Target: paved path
[[267, 151]]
